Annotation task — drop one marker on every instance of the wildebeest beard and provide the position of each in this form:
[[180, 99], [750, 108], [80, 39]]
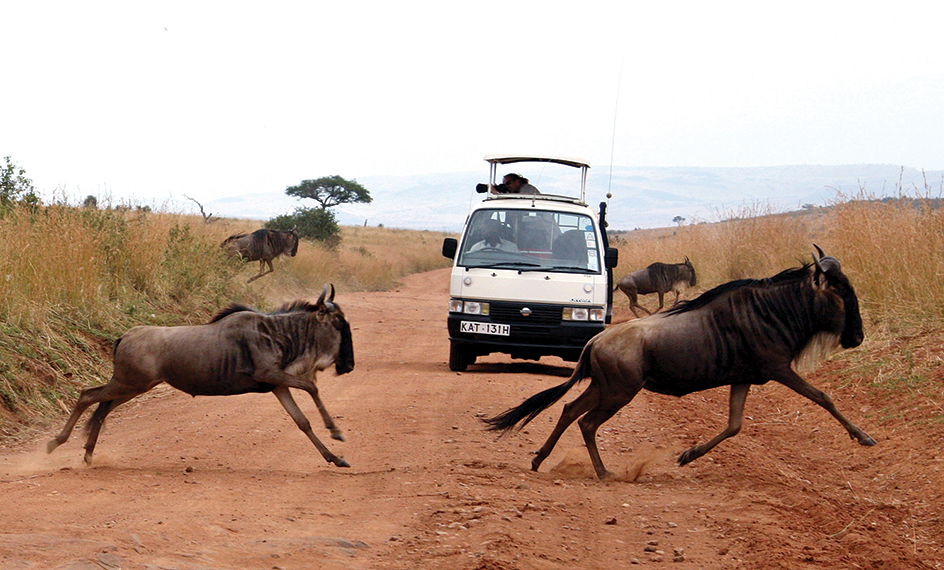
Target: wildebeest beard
[[344, 363]]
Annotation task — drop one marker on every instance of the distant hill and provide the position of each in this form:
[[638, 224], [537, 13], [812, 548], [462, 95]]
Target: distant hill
[[643, 197]]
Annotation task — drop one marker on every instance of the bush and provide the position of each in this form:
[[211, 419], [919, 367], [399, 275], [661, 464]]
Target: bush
[[312, 223]]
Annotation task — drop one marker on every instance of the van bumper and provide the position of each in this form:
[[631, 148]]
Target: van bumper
[[564, 339]]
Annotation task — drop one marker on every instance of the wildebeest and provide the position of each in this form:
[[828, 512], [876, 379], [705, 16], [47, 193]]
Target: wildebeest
[[740, 333], [263, 246], [657, 278], [239, 351]]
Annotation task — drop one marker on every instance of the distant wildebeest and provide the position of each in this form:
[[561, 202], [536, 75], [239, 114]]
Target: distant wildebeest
[[657, 278], [741, 333], [237, 352], [263, 246]]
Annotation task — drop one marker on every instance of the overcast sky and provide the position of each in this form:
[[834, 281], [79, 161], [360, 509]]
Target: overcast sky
[[138, 100]]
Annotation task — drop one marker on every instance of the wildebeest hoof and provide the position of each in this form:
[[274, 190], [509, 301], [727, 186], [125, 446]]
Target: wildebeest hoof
[[686, 457], [867, 441], [52, 445], [337, 435], [341, 463]]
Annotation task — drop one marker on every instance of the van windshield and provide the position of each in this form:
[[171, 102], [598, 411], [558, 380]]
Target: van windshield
[[530, 240]]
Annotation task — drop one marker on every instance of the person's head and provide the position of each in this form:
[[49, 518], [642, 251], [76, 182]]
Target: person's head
[[492, 233], [514, 182]]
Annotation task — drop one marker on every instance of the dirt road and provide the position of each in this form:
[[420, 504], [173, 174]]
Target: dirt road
[[224, 483]]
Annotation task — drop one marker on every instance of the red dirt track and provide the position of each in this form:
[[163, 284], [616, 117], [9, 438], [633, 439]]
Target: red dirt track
[[224, 483]]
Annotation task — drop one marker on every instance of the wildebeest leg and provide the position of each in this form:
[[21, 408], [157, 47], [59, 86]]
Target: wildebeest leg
[[793, 381], [634, 304], [285, 398], [262, 271], [312, 389], [661, 300], [677, 295], [328, 421], [572, 411], [89, 396], [735, 416], [591, 422], [95, 424]]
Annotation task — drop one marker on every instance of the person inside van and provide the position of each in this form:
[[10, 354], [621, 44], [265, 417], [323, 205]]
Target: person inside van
[[491, 234]]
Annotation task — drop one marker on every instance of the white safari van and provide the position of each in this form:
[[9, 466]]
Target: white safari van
[[532, 272]]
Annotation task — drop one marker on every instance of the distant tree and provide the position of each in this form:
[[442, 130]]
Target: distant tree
[[15, 187], [320, 223], [678, 220], [90, 202], [330, 191]]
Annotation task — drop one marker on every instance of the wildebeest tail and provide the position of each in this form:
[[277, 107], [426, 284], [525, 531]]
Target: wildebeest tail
[[530, 408]]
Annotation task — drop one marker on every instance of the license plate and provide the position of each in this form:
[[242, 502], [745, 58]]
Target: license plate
[[484, 328]]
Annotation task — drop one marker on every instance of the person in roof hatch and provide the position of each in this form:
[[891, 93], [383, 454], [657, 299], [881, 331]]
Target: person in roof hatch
[[515, 184]]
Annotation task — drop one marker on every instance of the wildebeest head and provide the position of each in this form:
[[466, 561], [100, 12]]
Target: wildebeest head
[[691, 270], [838, 295], [344, 362]]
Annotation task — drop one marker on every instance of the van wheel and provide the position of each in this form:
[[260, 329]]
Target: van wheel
[[459, 358]]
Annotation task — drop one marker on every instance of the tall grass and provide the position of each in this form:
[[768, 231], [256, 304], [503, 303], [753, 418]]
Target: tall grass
[[892, 250]]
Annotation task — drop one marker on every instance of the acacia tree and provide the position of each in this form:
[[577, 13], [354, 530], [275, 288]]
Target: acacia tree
[[321, 223], [331, 191]]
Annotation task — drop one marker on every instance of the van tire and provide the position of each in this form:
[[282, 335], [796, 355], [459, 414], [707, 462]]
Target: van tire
[[459, 358]]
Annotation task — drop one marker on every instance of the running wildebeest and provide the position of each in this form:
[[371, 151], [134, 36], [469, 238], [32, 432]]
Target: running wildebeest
[[657, 278], [741, 333], [263, 246], [239, 351]]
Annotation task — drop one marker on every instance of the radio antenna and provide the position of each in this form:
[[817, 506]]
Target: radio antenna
[[609, 183]]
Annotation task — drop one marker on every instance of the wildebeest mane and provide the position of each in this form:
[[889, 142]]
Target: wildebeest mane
[[295, 307], [791, 275], [234, 308]]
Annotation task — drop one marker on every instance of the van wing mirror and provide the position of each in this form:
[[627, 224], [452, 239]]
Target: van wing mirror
[[450, 245], [611, 257]]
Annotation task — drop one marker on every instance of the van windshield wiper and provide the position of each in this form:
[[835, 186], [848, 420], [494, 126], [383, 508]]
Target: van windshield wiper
[[569, 269], [501, 264]]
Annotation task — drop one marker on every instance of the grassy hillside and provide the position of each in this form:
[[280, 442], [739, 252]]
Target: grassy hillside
[[74, 279]]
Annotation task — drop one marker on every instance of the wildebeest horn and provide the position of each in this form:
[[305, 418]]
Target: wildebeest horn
[[821, 254], [329, 302]]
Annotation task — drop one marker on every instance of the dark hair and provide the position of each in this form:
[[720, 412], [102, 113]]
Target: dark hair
[[515, 177]]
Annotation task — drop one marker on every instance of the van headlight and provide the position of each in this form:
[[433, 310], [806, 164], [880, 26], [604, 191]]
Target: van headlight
[[468, 307], [584, 314]]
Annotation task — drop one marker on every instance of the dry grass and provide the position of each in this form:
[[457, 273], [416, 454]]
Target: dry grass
[[893, 252]]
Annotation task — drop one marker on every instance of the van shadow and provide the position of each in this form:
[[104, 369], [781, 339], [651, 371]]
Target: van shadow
[[535, 368]]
